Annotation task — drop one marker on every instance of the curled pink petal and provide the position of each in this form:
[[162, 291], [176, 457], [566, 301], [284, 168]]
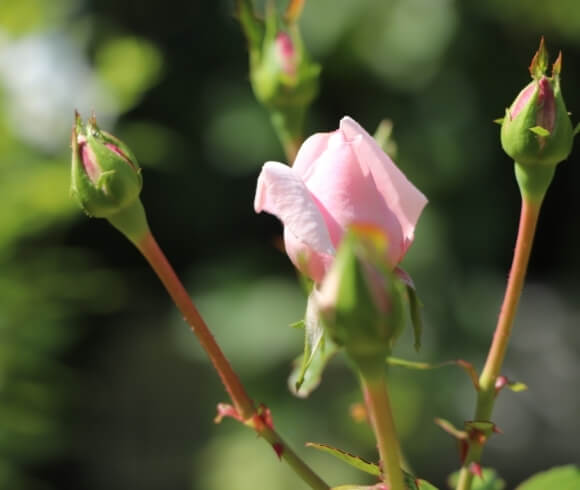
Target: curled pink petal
[[346, 195], [309, 152], [282, 193], [400, 195]]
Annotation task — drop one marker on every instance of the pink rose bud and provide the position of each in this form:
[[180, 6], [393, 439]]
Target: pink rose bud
[[536, 129], [105, 175], [338, 179], [286, 53]]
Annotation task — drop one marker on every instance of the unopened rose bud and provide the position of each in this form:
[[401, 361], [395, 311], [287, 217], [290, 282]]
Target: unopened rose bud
[[283, 77], [536, 129], [360, 301], [106, 178], [281, 72]]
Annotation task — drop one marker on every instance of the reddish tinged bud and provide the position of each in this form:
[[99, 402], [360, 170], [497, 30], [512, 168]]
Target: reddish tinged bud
[[286, 53], [537, 129], [106, 178], [88, 161], [546, 116], [475, 468]]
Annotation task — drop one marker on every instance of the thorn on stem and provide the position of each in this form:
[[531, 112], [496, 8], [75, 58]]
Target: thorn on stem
[[278, 449]]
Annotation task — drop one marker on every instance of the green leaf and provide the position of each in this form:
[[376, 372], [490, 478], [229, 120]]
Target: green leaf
[[540, 131], [451, 429], [318, 350], [305, 377], [355, 461], [517, 386], [560, 478], [414, 305], [490, 481], [424, 366]]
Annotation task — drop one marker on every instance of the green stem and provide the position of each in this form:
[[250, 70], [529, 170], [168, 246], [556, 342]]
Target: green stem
[[293, 460], [148, 246], [374, 385], [487, 391], [289, 124], [150, 249]]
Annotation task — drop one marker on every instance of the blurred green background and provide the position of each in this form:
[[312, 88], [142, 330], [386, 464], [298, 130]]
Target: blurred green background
[[101, 384]]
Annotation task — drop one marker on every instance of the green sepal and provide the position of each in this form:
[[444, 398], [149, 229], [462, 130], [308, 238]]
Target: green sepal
[[560, 478], [416, 317], [361, 301], [540, 131], [539, 63], [252, 26], [557, 66], [490, 481], [307, 369]]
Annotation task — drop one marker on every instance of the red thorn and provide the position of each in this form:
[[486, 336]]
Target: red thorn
[[475, 468], [278, 449], [463, 448], [266, 416], [497, 430], [262, 419]]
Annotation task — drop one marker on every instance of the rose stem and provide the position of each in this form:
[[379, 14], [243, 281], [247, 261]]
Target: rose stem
[[374, 386], [487, 392], [244, 406]]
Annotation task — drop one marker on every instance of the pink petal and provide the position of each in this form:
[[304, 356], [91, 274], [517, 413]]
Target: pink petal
[[309, 152], [282, 193], [401, 196], [347, 194]]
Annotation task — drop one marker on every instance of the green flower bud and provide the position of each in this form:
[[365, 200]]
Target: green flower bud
[[283, 77], [361, 301], [106, 178], [281, 71], [536, 129]]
